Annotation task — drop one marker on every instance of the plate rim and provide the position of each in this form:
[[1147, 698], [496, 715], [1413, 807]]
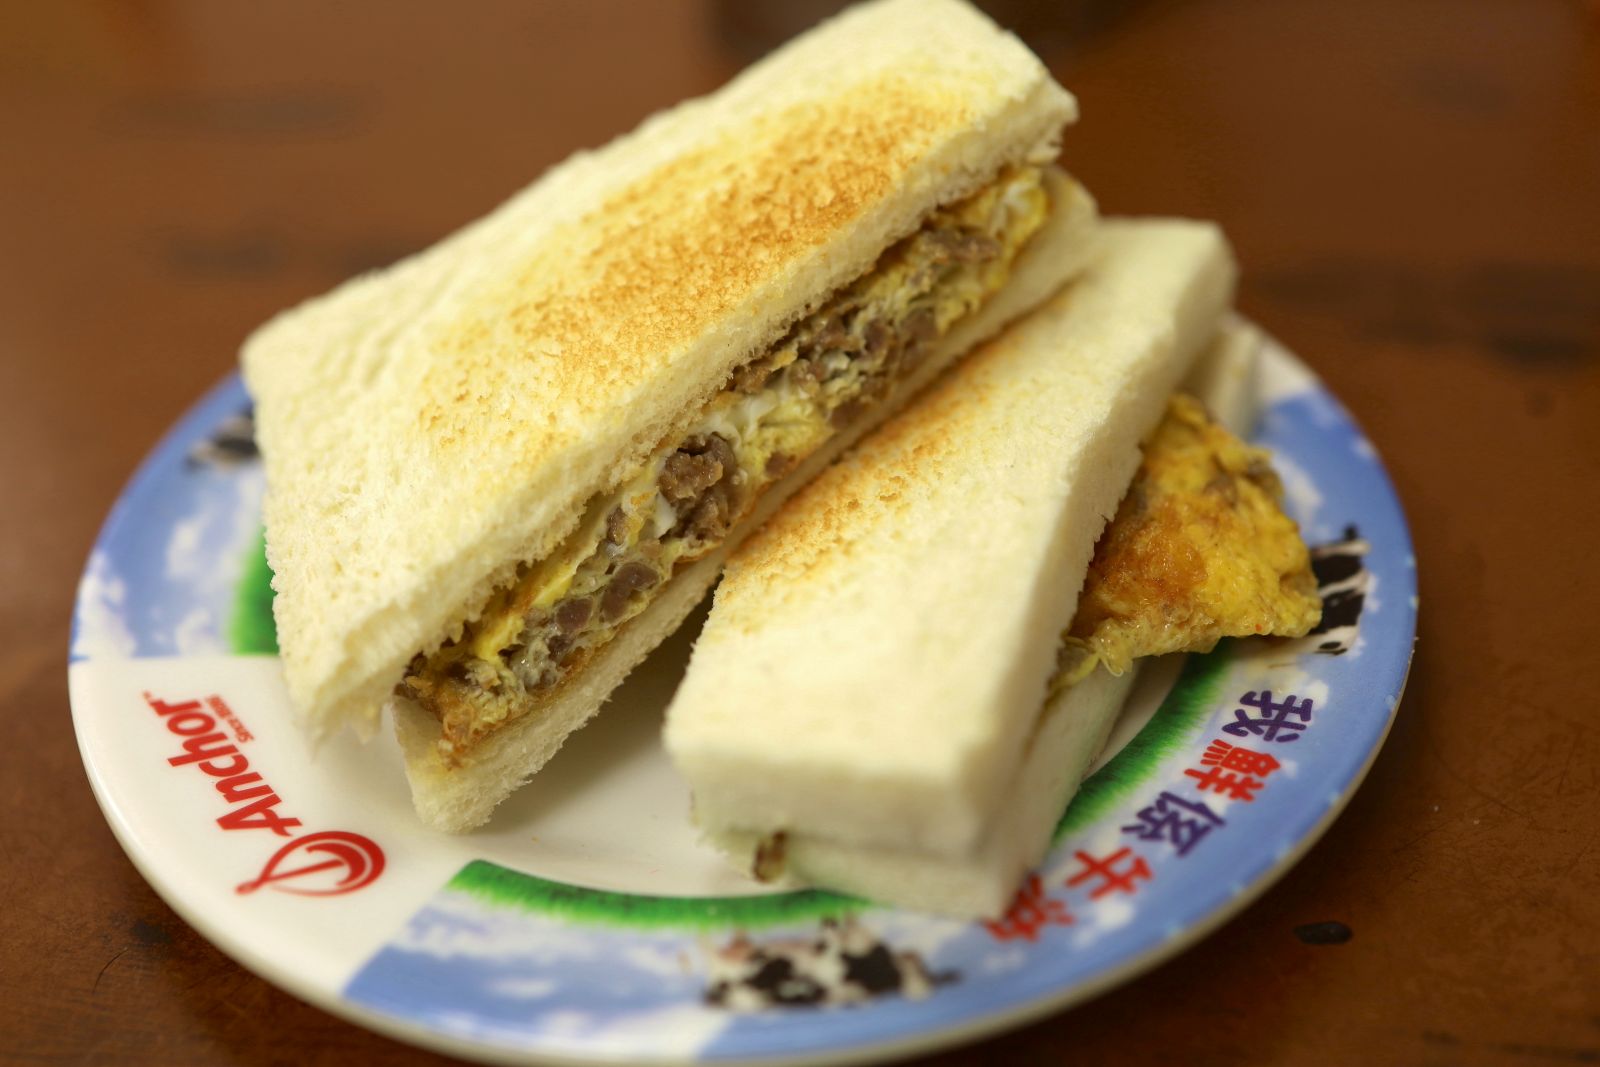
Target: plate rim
[[336, 1002]]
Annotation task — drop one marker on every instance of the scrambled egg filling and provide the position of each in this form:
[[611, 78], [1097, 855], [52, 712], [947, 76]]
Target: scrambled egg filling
[[1199, 550], [777, 409]]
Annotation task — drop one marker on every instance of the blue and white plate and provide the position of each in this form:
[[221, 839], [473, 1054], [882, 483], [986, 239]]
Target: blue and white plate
[[586, 924]]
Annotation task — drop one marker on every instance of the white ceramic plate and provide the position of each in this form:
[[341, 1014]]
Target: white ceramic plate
[[585, 924]]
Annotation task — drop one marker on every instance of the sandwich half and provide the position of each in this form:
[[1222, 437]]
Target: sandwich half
[[905, 674], [500, 472]]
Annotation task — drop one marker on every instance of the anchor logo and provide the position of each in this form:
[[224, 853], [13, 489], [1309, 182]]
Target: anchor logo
[[358, 861]]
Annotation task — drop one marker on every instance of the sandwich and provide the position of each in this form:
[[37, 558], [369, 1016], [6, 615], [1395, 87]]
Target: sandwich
[[905, 674], [501, 471]]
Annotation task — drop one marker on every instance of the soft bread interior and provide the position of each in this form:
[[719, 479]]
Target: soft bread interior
[[460, 798], [877, 655], [426, 427]]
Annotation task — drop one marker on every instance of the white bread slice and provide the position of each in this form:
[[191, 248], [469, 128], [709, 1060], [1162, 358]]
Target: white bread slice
[[1224, 377], [1072, 729], [459, 798], [426, 427], [877, 655]]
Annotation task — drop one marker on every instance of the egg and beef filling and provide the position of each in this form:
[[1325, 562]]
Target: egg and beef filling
[[775, 411], [1199, 550]]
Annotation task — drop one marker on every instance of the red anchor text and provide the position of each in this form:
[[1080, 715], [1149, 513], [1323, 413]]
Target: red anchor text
[[323, 864], [253, 804]]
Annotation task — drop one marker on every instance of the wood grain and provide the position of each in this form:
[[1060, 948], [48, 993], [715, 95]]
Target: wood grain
[[1414, 190]]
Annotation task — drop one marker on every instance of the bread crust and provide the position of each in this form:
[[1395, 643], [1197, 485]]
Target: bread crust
[[426, 427]]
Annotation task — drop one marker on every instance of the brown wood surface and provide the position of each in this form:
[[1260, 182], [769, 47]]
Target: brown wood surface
[[1412, 188]]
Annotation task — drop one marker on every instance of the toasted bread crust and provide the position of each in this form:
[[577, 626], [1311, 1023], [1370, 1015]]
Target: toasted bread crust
[[426, 427]]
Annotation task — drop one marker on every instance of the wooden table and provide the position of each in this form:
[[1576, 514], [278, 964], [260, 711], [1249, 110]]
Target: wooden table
[[1414, 189]]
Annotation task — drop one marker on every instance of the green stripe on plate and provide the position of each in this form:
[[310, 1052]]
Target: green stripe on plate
[[250, 627], [1170, 729], [506, 888]]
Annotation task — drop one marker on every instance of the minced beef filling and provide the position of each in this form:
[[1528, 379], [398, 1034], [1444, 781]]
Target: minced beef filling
[[698, 481]]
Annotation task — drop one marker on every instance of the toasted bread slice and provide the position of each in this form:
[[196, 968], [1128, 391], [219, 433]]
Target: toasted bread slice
[[428, 427], [432, 428], [877, 655], [1072, 728]]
